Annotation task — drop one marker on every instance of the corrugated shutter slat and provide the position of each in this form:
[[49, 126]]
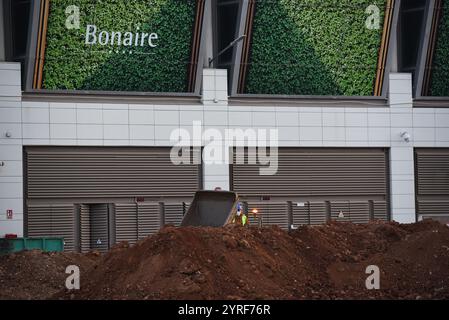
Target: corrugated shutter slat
[[149, 219], [312, 172], [99, 227], [432, 180], [126, 222], [83, 172], [53, 220]]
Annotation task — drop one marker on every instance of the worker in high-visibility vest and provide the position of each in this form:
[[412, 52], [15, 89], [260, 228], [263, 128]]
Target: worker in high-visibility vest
[[238, 216], [244, 219]]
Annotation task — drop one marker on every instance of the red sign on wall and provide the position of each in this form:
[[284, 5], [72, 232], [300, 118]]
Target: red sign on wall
[[9, 214]]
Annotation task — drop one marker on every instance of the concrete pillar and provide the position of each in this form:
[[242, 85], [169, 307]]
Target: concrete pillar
[[11, 172], [402, 171], [215, 100], [216, 176], [215, 87]]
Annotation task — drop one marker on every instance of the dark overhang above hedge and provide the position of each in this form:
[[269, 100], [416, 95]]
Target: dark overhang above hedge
[[75, 96], [307, 101]]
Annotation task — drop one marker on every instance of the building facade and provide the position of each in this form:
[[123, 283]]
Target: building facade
[[90, 160]]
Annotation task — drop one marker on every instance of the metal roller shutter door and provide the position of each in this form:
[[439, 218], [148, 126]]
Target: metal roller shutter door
[[312, 213], [131, 223], [174, 213], [39, 221], [107, 172], [53, 220], [349, 178], [359, 211], [380, 210], [316, 172], [272, 213], [432, 181], [136, 221], [84, 175], [338, 207], [301, 214], [99, 227], [149, 219], [84, 214], [126, 224], [431, 207]]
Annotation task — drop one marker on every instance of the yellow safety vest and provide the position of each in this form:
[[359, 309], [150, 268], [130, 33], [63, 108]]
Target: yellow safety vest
[[244, 219]]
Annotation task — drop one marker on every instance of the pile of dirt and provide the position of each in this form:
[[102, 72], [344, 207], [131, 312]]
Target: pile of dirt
[[413, 259], [38, 275], [201, 263], [324, 262]]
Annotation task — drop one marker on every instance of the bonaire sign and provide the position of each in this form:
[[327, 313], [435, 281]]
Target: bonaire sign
[[117, 38], [94, 36], [118, 45]]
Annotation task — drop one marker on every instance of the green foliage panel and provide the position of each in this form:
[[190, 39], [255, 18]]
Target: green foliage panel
[[314, 47], [72, 64], [439, 85]]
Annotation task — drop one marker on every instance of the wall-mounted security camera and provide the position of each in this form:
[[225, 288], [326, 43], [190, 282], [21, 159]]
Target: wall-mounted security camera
[[8, 134], [406, 136]]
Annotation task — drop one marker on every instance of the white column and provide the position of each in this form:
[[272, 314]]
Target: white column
[[215, 87], [11, 172], [215, 100], [402, 172], [216, 176]]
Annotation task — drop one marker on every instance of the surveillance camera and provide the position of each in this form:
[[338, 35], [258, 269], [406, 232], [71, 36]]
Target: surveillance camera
[[406, 136]]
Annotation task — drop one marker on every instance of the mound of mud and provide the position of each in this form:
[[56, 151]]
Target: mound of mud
[[325, 262], [38, 275]]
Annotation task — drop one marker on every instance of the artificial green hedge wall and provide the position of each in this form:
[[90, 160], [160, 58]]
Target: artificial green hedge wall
[[314, 47], [439, 85], [71, 64]]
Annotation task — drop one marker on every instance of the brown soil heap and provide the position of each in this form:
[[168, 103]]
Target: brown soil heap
[[38, 275], [325, 262]]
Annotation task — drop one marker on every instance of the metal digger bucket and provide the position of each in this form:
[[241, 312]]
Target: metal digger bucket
[[211, 209]]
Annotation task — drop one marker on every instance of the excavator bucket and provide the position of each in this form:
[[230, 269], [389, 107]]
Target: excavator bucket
[[211, 209]]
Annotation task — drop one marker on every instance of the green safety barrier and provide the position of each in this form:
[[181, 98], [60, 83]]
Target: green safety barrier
[[20, 244]]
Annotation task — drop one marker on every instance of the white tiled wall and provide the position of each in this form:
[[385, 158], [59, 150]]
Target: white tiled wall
[[402, 172], [216, 175], [215, 87], [11, 184], [87, 124]]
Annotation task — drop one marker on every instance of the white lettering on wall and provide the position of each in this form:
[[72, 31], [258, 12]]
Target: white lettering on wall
[[90, 33], [114, 38]]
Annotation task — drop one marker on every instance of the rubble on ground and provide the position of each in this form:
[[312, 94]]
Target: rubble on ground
[[320, 262]]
